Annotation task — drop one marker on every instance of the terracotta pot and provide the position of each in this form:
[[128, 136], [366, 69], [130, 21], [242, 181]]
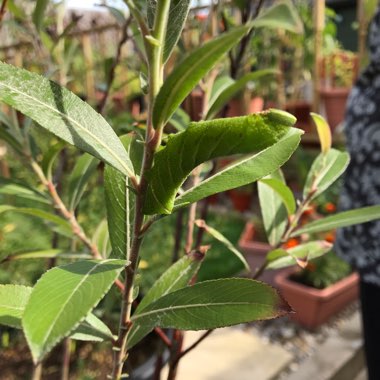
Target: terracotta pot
[[236, 107], [241, 201], [255, 252], [334, 100], [193, 104], [313, 306], [301, 110]]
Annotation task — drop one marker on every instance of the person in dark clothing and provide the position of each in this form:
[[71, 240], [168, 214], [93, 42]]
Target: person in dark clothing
[[360, 244]]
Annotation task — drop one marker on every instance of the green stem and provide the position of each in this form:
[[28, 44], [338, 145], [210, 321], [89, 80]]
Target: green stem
[[154, 46]]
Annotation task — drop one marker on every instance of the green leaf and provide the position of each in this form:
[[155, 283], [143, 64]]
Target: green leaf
[[213, 304], [283, 192], [341, 219], [204, 141], [21, 190], [13, 299], [64, 114], [46, 254], [178, 12], [120, 203], [180, 120], [222, 239], [49, 158], [280, 16], [244, 171], [6, 136], [280, 258], [273, 211], [38, 13], [101, 238], [189, 72], [220, 84], [92, 329], [46, 216], [324, 132], [81, 174], [234, 88], [62, 298], [326, 169], [176, 277]]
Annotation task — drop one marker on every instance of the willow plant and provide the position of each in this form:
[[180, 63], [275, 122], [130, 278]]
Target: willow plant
[[143, 182]]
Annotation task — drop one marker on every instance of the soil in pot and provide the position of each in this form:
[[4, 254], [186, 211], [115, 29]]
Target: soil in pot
[[333, 287]]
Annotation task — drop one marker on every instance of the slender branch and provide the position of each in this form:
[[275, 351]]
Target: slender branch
[[236, 63], [68, 215], [66, 359], [37, 372], [138, 17], [163, 337], [111, 74], [152, 141], [194, 345], [3, 9]]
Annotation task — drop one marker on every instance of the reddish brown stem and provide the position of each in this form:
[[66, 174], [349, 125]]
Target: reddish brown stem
[[3, 9]]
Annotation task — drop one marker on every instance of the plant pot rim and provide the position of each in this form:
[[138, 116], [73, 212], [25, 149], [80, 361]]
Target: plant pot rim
[[247, 243], [334, 91], [282, 280]]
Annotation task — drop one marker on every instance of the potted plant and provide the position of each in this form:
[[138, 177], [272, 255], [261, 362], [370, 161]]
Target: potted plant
[[339, 71], [320, 290], [291, 241]]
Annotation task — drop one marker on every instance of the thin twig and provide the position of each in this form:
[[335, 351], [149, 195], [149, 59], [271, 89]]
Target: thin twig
[[194, 345], [66, 359], [163, 337], [37, 371], [111, 74], [3, 9]]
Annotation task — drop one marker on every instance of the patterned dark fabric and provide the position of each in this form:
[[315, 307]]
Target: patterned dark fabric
[[360, 245]]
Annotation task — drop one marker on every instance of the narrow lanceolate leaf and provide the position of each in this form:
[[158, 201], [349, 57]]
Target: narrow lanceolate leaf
[[49, 218], [177, 16], [234, 88], [13, 299], [280, 16], [326, 169], [244, 171], [204, 141], [293, 256], [101, 238], [84, 168], [64, 114], [62, 298], [222, 239], [92, 329], [213, 304], [189, 72], [49, 158], [176, 277], [273, 211], [39, 12], [324, 132], [47, 254], [342, 219], [21, 190], [6, 135], [120, 203], [283, 192]]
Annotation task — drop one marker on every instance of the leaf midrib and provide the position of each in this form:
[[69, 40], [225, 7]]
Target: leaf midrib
[[68, 118], [192, 306], [52, 325]]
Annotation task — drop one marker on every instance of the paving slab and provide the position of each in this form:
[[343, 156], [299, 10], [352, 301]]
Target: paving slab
[[340, 357], [232, 354]]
